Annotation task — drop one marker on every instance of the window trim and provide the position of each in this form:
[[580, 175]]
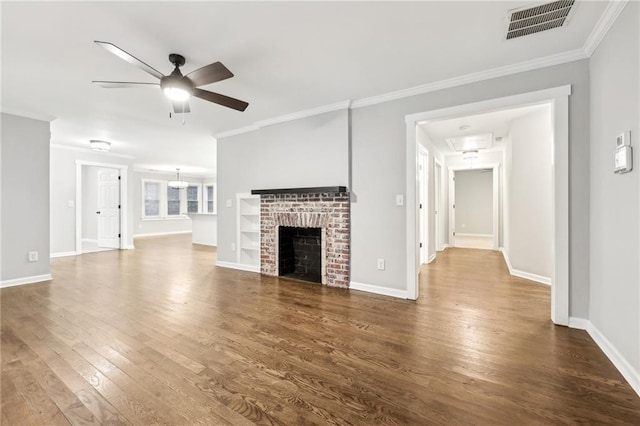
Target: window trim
[[186, 199], [162, 200], [164, 204], [205, 199]]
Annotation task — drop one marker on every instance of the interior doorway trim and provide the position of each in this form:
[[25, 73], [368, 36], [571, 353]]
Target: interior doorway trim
[[438, 186], [124, 229], [558, 97], [495, 167]]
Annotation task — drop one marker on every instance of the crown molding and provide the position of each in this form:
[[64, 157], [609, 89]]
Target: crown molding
[[284, 118], [171, 175], [608, 17], [89, 151], [32, 115], [547, 61]]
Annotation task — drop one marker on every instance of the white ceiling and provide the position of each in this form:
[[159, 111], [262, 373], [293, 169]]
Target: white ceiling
[[496, 122], [286, 57]]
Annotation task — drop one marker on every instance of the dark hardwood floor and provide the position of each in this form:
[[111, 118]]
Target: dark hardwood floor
[[157, 335]]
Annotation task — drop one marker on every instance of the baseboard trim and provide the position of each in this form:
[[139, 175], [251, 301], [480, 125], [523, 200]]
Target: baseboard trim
[[159, 234], [385, 291], [63, 254], [25, 280], [474, 235], [431, 258], [522, 274], [578, 323], [628, 372], [238, 266], [89, 240], [129, 247]]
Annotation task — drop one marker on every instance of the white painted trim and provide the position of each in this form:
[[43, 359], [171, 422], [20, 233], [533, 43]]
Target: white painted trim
[[159, 234], [475, 235], [89, 240], [385, 291], [129, 247], [238, 266], [559, 98], [25, 280], [624, 367], [124, 200], [172, 174], [522, 274], [608, 17], [90, 151], [431, 258], [530, 65], [304, 114], [63, 254], [578, 323], [284, 118]]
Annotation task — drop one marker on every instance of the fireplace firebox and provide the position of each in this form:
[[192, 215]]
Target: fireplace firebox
[[300, 253]]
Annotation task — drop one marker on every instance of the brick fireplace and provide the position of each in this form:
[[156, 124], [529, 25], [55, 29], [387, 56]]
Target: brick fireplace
[[325, 208]]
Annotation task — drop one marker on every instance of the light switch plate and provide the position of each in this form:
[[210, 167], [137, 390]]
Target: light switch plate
[[399, 200], [229, 203]]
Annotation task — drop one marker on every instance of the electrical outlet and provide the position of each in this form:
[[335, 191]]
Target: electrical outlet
[[229, 203], [70, 203], [33, 256], [380, 264], [233, 246]]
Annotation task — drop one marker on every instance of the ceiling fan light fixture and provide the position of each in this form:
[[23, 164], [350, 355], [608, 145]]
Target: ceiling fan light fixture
[[176, 94], [101, 146]]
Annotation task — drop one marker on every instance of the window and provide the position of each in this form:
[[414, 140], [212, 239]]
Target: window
[[173, 201], [193, 199], [210, 198], [152, 200]]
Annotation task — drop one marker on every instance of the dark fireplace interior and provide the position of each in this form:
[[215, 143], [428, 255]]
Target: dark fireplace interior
[[300, 253]]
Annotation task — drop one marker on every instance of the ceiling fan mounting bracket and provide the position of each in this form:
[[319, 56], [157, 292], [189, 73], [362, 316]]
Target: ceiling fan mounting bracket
[[176, 59]]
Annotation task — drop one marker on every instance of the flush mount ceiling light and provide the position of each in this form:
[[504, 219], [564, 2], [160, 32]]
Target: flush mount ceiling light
[[102, 146], [464, 127], [470, 155], [178, 184], [470, 142]]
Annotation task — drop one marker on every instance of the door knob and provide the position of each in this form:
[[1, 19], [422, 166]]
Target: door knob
[[98, 212]]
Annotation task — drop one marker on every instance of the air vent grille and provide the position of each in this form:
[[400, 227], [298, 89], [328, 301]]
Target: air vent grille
[[532, 20]]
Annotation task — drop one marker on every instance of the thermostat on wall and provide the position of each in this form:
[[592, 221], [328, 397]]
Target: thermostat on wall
[[623, 159]]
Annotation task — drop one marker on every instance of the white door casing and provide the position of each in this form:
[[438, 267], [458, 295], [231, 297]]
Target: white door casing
[[423, 184], [558, 97], [109, 208], [438, 216]]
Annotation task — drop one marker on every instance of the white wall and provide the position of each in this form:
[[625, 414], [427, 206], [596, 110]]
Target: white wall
[[474, 202], [308, 152], [63, 189], [614, 199], [24, 171], [530, 244]]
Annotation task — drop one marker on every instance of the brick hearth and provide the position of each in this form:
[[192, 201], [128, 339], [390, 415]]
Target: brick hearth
[[329, 211]]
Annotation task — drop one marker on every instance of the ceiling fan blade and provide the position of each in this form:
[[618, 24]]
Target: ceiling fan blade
[[123, 84], [181, 107], [209, 74], [110, 47], [220, 99]]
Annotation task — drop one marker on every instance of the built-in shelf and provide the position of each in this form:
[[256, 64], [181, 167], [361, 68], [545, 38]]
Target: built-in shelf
[[248, 225], [312, 190]]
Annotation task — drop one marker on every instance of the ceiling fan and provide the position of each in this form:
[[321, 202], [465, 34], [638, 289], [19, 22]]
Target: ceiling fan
[[175, 86]]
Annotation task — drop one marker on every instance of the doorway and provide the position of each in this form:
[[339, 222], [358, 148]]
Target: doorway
[[101, 206], [558, 99]]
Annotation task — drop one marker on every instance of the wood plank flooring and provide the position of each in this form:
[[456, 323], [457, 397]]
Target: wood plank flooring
[[157, 335]]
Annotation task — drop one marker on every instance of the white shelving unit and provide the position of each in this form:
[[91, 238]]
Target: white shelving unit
[[248, 223]]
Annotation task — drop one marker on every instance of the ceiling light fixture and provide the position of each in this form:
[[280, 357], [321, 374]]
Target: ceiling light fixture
[[102, 146], [178, 184], [470, 155], [464, 127]]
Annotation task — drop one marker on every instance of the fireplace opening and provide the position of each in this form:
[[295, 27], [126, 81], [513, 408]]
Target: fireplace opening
[[300, 253]]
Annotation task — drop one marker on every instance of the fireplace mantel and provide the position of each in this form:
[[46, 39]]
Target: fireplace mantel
[[312, 190]]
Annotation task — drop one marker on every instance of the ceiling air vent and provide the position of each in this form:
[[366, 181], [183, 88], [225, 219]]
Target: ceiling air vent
[[531, 20]]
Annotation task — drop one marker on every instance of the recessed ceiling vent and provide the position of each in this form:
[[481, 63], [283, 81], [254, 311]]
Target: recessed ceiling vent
[[531, 20]]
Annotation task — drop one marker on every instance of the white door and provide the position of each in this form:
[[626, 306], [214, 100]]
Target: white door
[[437, 182], [423, 183], [109, 208], [452, 208]]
